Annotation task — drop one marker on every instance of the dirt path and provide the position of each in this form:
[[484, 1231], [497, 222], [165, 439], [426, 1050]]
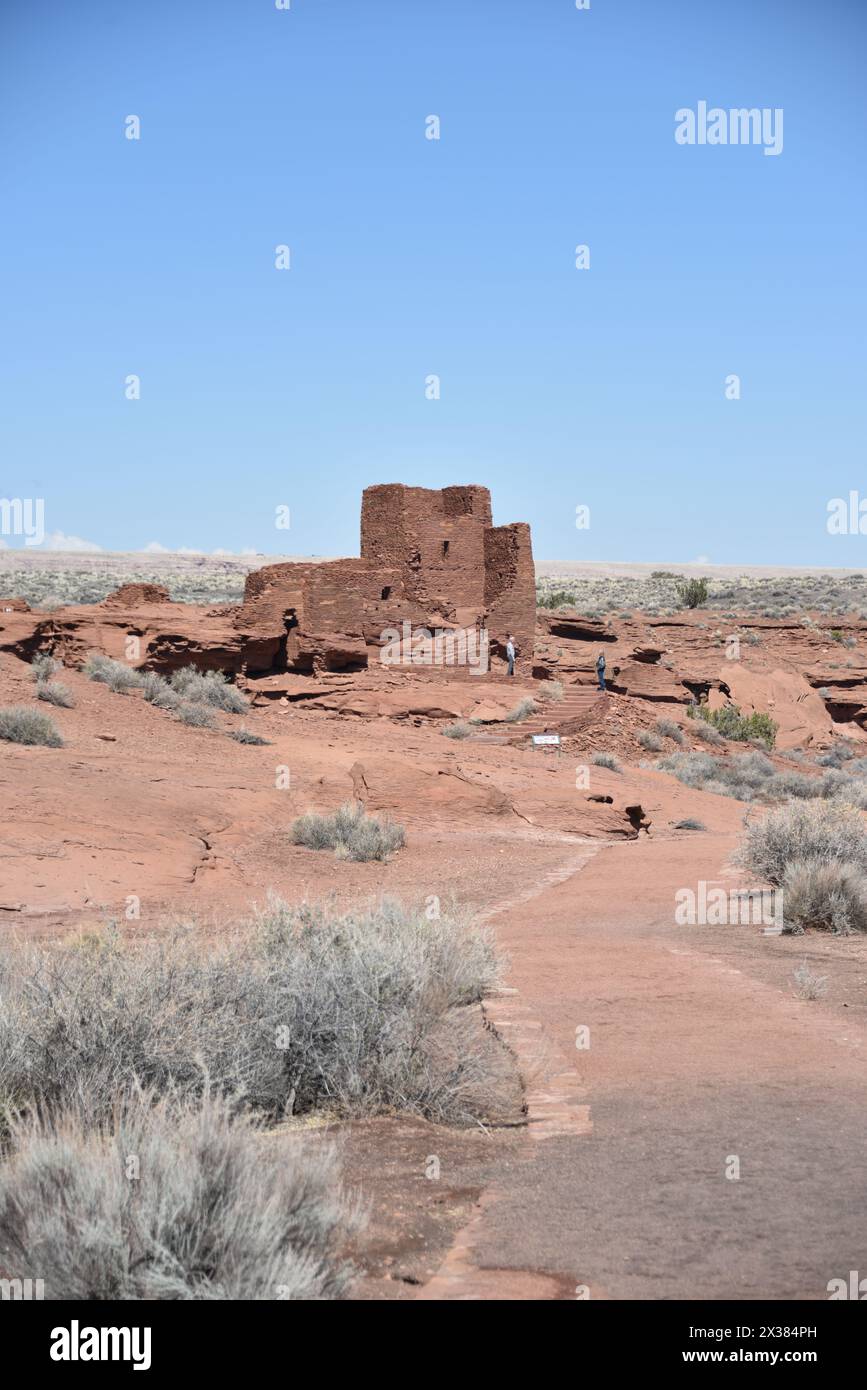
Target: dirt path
[[701, 1058]]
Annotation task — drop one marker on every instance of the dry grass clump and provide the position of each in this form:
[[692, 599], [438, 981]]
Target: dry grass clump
[[19, 724], [208, 688], [301, 1009], [180, 1201], [650, 741], [826, 832], [668, 729], [44, 666], [350, 832], [522, 710], [55, 693], [606, 760], [115, 674], [460, 729]]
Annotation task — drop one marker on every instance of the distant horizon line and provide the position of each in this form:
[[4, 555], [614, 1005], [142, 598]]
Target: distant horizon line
[[555, 567]]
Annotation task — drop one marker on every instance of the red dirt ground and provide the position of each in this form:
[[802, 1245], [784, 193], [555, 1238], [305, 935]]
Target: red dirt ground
[[699, 1052]]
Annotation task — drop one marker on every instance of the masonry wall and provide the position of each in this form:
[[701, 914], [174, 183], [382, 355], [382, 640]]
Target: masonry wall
[[510, 590], [435, 538]]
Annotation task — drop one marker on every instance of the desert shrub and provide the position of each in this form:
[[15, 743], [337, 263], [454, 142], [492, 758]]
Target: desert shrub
[[217, 1212], [838, 753], [817, 831], [692, 593], [669, 729], [18, 724], [197, 716], [690, 824], [649, 741], [247, 736], [300, 1009], [809, 984], [706, 733], [458, 730], [115, 674], [731, 723], [159, 693], [350, 832], [606, 760], [55, 693], [830, 895], [43, 666], [208, 688], [551, 690], [522, 710], [557, 598]]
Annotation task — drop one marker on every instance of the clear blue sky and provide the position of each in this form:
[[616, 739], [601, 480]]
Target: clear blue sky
[[456, 257]]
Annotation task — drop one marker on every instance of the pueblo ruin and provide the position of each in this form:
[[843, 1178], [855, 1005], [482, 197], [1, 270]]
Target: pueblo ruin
[[436, 583]]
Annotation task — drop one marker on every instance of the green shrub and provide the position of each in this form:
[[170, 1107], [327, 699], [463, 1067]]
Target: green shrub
[[214, 1210], [350, 832], [744, 728], [692, 593], [18, 724]]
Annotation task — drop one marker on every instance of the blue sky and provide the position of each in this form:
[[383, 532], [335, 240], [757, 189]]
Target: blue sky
[[411, 257]]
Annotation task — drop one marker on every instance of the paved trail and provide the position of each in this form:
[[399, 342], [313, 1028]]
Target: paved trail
[[621, 1185]]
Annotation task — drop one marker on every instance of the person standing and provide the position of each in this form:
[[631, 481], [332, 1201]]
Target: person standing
[[600, 670], [510, 653]]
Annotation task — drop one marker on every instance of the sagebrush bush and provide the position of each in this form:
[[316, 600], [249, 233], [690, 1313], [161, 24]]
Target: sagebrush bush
[[350, 832], [606, 760], [215, 1210], [115, 674], [208, 688], [817, 831], [197, 716], [55, 693], [829, 895], [243, 735], [668, 729], [551, 690], [649, 741], [43, 666], [159, 693], [460, 729], [18, 724], [359, 1012], [522, 710], [706, 733]]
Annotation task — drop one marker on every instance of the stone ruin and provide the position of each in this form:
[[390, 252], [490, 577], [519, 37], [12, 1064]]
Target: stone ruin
[[430, 560]]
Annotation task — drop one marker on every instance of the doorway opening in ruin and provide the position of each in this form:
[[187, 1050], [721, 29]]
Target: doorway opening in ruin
[[445, 549], [386, 592]]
